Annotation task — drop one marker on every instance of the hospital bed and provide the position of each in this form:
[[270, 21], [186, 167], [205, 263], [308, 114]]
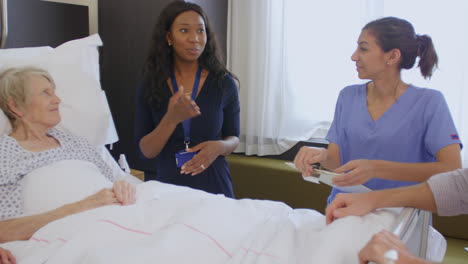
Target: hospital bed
[[78, 82]]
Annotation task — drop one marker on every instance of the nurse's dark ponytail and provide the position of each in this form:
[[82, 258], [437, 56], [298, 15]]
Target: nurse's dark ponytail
[[395, 33]]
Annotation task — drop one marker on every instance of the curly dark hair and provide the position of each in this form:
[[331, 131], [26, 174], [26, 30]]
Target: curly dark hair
[[396, 33], [160, 60]]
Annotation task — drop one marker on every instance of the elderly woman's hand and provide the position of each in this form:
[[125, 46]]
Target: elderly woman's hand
[[124, 192], [102, 198], [6, 257]]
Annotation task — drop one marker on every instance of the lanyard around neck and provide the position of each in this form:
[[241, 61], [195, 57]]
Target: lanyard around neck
[[187, 123]]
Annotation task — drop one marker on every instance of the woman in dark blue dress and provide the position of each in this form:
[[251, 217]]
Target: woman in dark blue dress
[[188, 103]]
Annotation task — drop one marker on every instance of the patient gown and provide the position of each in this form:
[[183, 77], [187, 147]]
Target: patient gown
[[219, 105]]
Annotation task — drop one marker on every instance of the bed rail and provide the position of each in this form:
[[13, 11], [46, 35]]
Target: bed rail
[[4, 33], [406, 221], [413, 228]]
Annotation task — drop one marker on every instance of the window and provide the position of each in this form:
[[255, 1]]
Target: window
[[293, 58]]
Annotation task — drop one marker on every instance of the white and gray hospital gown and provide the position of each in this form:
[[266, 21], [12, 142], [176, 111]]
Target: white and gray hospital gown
[[16, 162], [450, 190]]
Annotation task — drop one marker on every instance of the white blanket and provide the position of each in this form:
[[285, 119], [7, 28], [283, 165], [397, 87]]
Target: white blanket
[[171, 224]]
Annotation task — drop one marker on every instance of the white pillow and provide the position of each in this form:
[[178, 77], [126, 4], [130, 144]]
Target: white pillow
[[75, 68], [60, 183]]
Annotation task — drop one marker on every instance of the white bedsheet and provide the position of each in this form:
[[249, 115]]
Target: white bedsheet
[[171, 224]]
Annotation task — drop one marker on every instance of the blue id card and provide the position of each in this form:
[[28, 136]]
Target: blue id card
[[183, 156]]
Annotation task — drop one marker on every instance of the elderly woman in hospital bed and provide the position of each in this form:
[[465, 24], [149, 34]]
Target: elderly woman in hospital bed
[[27, 97], [76, 222], [165, 218]]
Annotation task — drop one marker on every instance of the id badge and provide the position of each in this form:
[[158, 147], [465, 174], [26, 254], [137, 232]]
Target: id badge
[[183, 156]]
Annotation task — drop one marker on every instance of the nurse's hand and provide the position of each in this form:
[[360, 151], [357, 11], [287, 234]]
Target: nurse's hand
[[6, 257], [181, 107], [346, 204], [383, 242], [208, 152], [356, 172], [125, 192], [307, 156]]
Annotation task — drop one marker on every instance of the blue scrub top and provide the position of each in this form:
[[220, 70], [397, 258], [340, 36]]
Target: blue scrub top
[[413, 130]]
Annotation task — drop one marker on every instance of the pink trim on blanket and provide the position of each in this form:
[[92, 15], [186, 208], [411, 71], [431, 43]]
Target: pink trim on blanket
[[125, 228], [258, 253], [40, 240], [209, 236], [194, 229], [63, 240]]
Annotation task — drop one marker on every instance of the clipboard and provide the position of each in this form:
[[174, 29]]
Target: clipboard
[[325, 176]]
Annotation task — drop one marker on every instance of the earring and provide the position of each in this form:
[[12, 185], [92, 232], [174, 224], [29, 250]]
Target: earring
[[388, 63], [169, 43]]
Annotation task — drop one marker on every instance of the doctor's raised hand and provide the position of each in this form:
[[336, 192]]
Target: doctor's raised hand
[[181, 107]]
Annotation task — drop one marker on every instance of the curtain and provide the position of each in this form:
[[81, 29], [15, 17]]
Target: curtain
[[258, 55], [293, 57]]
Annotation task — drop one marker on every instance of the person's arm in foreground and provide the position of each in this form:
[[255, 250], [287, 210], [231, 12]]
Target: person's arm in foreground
[[418, 196], [23, 228], [6, 257], [444, 193]]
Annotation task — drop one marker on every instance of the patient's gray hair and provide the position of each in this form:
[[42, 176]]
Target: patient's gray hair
[[14, 86]]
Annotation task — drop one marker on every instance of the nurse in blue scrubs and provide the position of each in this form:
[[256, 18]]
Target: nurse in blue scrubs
[[387, 133]]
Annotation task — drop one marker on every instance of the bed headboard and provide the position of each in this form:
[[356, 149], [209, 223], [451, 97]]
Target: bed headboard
[[92, 16], [92, 11]]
